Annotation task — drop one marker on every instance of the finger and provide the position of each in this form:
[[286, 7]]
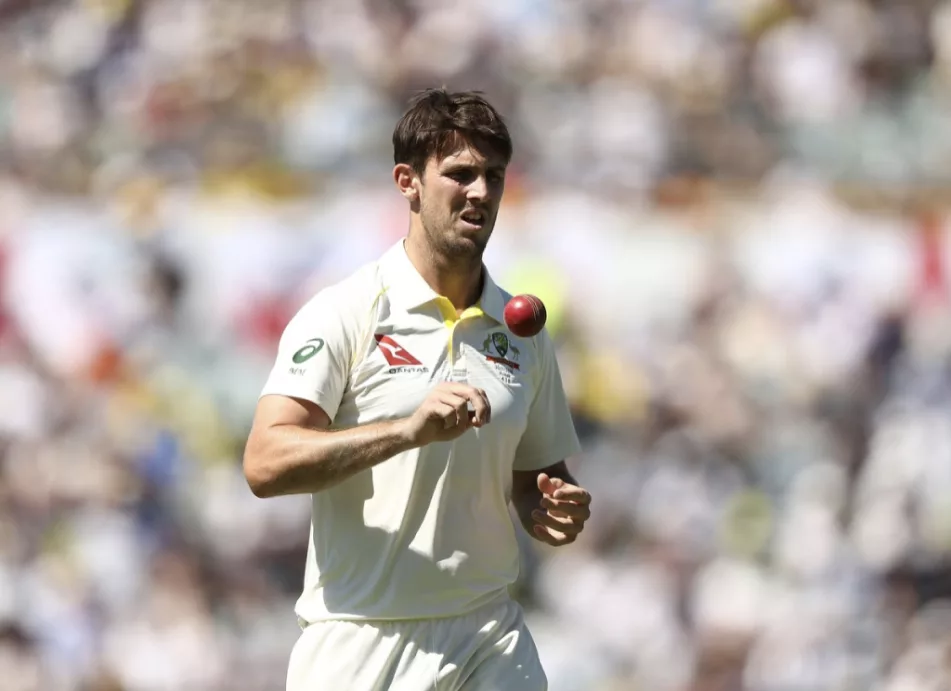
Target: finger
[[487, 407], [470, 393], [448, 414], [451, 398], [481, 407], [477, 398], [477, 412], [563, 525], [451, 417], [545, 485], [551, 537], [544, 535], [462, 412], [473, 421], [566, 508], [567, 492], [550, 485], [459, 388], [458, 405]]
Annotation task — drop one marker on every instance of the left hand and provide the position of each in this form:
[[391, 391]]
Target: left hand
[[564, 510]]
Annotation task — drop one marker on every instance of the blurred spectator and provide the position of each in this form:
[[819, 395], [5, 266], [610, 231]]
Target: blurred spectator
[[736, 213]]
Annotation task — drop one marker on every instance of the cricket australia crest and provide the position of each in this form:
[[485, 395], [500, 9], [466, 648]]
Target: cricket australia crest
[[497, 348]]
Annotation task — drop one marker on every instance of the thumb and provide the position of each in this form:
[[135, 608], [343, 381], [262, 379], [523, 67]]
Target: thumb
[[547, 485]]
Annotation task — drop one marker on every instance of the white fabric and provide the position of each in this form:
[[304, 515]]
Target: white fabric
[[426, 533], [486, 650]]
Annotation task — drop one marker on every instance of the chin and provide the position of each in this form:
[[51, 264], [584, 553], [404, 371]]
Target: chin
[[455, 242], [465, 246]]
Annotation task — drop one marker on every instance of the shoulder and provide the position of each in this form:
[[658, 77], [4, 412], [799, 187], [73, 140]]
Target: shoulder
[[351, 297], [339, 311]]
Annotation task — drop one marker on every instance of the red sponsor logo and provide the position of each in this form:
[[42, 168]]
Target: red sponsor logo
[[394, 353]]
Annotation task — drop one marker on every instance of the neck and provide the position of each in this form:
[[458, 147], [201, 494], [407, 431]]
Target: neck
[[459, 280]]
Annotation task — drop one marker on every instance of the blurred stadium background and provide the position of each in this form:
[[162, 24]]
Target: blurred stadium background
[[736, 211]]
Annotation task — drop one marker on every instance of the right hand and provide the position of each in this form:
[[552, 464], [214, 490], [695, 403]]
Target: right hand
[[445, 414]]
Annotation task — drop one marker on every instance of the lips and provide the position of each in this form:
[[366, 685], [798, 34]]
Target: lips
[[473, 217]]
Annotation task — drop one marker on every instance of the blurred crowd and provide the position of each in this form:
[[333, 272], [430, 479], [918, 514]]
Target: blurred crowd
[[734, 210]]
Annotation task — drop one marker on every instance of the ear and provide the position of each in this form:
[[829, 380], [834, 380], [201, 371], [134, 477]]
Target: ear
[[407, 181]]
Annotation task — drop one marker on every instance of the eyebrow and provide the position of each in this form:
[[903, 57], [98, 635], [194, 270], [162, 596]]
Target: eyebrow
[[453, 167]]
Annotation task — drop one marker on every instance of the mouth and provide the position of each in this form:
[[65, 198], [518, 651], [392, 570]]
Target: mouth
[[473, 218]]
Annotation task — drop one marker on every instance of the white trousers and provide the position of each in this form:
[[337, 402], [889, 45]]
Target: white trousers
[[489, 649]]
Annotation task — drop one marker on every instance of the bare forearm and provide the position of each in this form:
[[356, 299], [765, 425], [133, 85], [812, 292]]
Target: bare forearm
[[288, 459]]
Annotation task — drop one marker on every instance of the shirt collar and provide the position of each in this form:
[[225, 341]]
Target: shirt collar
[[407, 289]]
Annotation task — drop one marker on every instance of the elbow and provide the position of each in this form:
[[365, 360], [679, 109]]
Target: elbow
[[261, 477], [260, 486]]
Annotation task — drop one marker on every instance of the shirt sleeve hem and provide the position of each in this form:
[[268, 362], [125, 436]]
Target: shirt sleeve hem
[[540, 462], [325, 401]]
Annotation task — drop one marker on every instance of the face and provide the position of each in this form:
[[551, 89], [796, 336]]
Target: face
[[459, 199]]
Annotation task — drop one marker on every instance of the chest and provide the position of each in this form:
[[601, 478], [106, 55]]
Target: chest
[[407, 355]]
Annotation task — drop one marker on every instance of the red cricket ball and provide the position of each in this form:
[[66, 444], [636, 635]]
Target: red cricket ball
[[525, 315]]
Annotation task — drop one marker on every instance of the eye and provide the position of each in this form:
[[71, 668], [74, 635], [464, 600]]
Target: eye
[[461, 176], [495, 177]]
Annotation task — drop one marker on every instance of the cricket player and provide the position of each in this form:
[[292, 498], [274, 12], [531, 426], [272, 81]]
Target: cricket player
[[400, 401]]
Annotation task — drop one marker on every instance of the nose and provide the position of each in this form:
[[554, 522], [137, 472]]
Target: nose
[[478, 190]]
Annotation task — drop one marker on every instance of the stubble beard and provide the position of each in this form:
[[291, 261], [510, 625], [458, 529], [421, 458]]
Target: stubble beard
[[449, 247]]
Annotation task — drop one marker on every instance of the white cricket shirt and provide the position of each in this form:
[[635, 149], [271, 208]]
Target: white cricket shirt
[[426, 533]]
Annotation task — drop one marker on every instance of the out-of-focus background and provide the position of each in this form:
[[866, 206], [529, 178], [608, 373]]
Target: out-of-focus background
[[736, 211]]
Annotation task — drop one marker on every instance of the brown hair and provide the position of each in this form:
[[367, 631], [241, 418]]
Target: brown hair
[[437, 120]]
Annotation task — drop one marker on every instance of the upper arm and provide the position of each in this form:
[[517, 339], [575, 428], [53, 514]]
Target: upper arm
[[309, 375], [275, 410], [549, 435], [312, 364]]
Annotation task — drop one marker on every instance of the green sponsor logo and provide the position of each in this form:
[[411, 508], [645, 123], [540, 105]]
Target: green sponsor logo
[[314, 346]]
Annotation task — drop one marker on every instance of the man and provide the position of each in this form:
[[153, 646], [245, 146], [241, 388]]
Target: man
[[403, 404]]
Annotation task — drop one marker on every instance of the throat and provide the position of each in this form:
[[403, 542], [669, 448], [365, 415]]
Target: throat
[[458, 279], [462, 288]]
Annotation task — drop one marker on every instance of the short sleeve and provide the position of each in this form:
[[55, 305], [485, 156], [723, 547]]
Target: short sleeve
[[314, 355], [550, 435]]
